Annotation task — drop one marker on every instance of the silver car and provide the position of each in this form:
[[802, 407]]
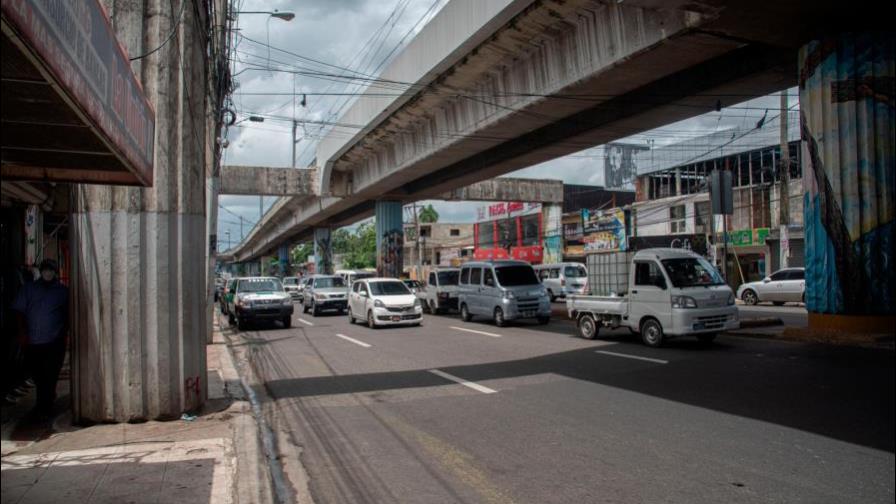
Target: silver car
[[502, 291], [785, 285], [325, 292], [563, 278], [291, 286]]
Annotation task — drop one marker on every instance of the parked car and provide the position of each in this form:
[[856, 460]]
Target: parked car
[[384, 301], [324, 293], [502, 291], [788, 284], [563, 278], [258, 298], [412, 285], [671, 292], [439, 293], [291, 285]]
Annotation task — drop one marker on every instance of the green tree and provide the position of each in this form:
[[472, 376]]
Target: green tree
[[361, 251], [428, 215], [299, 254]]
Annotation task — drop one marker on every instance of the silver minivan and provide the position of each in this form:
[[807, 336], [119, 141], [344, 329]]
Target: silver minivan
[[502, 291], [562, 279]]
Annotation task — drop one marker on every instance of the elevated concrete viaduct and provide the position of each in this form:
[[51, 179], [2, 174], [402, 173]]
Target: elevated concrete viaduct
[[493, 86]]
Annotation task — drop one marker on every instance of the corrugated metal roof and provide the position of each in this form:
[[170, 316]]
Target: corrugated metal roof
[[719, 144]]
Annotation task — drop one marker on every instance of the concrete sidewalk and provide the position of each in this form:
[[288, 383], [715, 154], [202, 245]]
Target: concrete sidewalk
[[211, 458]]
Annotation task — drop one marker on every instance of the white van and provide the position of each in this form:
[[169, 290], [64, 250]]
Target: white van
[[563, 278], [349, 276]]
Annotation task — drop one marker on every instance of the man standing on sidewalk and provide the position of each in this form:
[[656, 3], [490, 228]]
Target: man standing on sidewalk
[[43, 323]]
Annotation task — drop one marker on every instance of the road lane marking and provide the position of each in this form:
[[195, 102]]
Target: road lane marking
[[493, 335], [353, 340], [475, 386], [304, 321], [628, 356]]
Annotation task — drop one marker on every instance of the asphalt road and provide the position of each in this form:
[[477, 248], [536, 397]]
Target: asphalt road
[[541, 416]]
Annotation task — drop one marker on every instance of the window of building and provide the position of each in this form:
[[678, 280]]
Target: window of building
[[425, 232], [506, 233], [530, 230], [455, 232], [677, 221], [486, 234], [702, 217]]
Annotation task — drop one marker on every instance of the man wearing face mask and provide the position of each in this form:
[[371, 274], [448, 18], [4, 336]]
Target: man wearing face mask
[[43, 323]]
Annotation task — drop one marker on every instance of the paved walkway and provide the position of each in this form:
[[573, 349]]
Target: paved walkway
[[191, 461]]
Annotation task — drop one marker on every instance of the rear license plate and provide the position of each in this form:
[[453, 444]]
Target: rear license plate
[[529, 314], [396, 319]]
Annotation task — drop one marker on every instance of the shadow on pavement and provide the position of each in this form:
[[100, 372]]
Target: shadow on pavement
[[845, 394]]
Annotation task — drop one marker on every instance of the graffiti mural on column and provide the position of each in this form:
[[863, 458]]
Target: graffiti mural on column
[[390, 260], [389, 238], [847, 123]]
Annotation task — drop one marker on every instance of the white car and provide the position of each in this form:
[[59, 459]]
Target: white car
[[383, 302], [785, 285], [291, 286]]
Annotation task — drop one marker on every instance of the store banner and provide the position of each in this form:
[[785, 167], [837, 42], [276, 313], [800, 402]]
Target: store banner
[[694, 242], [748, 237], [603, 230]]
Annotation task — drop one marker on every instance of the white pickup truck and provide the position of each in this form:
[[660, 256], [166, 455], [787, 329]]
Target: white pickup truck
[[671, 292]]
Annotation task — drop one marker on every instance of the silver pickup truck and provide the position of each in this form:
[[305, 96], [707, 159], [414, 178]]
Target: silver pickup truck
[[671, 292]]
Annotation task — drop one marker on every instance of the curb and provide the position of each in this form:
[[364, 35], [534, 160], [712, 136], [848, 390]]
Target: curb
[[761, 322], [252, 482]]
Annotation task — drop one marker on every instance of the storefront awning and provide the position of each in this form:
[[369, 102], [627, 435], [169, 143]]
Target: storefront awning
[[72, 109]]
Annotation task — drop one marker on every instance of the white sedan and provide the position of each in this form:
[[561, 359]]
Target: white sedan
[[784, 285], [382, 302]]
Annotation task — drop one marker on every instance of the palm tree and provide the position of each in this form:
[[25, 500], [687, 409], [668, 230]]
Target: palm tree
[[428, 215]]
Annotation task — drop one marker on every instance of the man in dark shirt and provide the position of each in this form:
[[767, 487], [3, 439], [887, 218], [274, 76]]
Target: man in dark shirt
[[43, 320]]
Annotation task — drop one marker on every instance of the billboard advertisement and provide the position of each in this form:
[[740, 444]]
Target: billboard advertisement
[[604, 230], [620, 167]]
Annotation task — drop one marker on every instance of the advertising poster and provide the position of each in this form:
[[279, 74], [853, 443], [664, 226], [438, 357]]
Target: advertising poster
[[604, 230]]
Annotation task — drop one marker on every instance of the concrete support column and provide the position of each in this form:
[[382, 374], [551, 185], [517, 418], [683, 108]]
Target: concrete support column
[[323, 254], [551, 218], [389, 238], [139, 265], [283, 257], [847, 123]]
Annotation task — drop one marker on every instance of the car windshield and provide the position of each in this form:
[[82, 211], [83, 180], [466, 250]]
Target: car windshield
[[691, 271], [388, 289], [448, 277], [511, 276], [266, 285], [575, 272], [327, 282]]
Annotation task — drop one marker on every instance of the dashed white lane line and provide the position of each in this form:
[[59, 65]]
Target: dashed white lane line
[[475, 386], [628, 356], [353, 340], [493, 335], [304, 321]]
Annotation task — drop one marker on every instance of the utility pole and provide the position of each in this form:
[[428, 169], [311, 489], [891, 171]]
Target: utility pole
[[418, 261], [784, 185], [241, 228], [294, 126]]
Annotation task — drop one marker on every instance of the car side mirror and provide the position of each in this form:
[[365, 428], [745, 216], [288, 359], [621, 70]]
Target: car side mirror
[[766, 280]]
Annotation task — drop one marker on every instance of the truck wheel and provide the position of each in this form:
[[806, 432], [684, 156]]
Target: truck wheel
[[588, 327], [465, 313], [652, 333], [499, 318], [749, 297], [287, 322], [706, 339]]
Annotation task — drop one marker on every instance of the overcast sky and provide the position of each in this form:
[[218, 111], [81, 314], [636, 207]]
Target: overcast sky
[[361, 35]]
